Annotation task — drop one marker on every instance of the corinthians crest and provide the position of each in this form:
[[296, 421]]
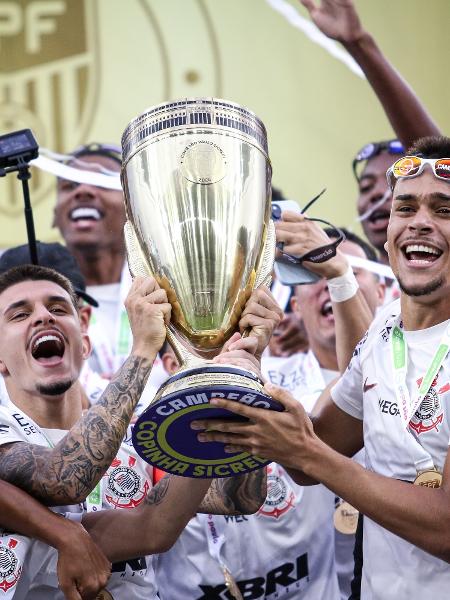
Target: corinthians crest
[[280, 496], [430, 413], [48, 78], [125, 487], [10, 568]]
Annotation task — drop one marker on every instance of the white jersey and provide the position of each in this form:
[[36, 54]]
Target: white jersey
[[284, 551], [33, 564], [303, 377], [112, 339], [394, 568]]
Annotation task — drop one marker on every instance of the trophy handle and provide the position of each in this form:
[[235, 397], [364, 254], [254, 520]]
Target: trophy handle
[[264, 273], [139, 267]]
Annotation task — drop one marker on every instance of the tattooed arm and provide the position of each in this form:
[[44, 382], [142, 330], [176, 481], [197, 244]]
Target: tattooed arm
[[240, 495], [154, 526], [67, 473]]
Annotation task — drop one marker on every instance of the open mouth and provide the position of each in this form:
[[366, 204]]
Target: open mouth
[[421, 254], [85, 213], [326, 309], [47, 348], [379, 217]]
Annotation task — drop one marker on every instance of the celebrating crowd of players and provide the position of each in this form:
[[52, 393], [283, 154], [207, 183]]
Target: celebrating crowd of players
[[365, 393]]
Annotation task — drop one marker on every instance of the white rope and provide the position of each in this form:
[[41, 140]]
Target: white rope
[[315, 35]]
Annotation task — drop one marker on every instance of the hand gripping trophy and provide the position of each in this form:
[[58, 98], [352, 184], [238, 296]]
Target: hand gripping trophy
[[197, 184]]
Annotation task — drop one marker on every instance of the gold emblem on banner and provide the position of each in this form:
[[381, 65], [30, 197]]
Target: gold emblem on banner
[[431, 478], [346, 518], [48, 80]]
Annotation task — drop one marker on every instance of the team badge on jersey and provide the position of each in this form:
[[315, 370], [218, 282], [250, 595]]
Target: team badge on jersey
[[10, 568], [280, 497], [125, 487], [430, 413]]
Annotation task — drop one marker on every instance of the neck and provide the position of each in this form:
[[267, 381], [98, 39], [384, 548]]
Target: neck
[[100, 266], [326, 357], [56, 412], [417, 314]]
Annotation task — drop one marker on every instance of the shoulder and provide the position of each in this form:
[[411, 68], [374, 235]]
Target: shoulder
[[379, 331]]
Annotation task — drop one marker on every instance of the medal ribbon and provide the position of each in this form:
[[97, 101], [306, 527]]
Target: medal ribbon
[[399, 348], [215, 534], [111, 359]]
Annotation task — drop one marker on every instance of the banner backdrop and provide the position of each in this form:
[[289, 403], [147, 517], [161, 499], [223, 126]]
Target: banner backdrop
[[77, 71]]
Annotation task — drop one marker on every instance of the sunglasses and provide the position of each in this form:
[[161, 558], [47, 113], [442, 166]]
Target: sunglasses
[[412, 166], [374, 149]]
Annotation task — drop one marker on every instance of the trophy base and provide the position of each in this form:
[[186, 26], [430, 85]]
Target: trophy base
[[162, 435]]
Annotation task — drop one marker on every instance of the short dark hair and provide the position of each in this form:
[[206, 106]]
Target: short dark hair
[[36, 273], [432, 146], [277, 194], [352, 237], [54, 256]]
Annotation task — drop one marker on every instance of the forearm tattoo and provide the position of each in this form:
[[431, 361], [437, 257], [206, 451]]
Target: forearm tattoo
[[67, 473], [157, 494], [239, 495]]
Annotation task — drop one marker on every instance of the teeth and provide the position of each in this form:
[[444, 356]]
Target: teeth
[[85, 212], [45, 338], [327, 308], [421, 248]]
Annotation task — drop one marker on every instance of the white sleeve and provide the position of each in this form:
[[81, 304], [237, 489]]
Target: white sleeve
[[10, 429], [347, 393]]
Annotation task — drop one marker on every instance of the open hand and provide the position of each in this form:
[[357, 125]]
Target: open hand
[[283, 437], [337, 19]]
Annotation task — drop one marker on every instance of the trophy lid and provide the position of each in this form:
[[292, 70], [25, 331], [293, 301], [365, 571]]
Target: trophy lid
[[192, 112]]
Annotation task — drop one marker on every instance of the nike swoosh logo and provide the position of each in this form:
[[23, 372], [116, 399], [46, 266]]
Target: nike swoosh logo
[[368, 386]]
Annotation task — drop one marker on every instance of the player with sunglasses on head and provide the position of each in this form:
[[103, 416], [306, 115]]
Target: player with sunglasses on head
[[339, 20], [394, 399]]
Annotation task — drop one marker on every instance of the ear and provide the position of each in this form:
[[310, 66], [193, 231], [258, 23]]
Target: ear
[[169, 362], [381, 292], [85, 313], [3, 369], [296, 305], [87, 345], [386, 247]]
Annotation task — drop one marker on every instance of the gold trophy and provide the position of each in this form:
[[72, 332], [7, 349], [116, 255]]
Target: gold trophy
[[197, 184]]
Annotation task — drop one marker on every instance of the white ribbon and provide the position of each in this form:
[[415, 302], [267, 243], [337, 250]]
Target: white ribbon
[[111, 182], [369, 265], [315, 35]]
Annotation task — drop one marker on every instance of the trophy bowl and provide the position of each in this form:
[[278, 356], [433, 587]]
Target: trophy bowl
[[197, 183]]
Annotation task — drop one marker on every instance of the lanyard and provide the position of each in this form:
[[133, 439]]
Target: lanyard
[[111, 358], [399, 348], [215, 534]]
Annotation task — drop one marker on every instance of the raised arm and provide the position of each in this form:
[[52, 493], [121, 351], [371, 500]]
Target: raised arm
[[353, 315], [154, 526], [83, 569], [67, 473], [339, 20]]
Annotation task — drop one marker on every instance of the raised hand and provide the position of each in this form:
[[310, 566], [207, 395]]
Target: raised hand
[[262, 315], [337, 19], [148, 312], [300, 235]]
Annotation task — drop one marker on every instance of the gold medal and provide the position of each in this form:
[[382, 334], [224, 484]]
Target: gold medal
[[431, 478], [104, 595], [346, 518], [231, 584]]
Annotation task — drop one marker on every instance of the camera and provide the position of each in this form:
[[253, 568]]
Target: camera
[[17, 148]]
